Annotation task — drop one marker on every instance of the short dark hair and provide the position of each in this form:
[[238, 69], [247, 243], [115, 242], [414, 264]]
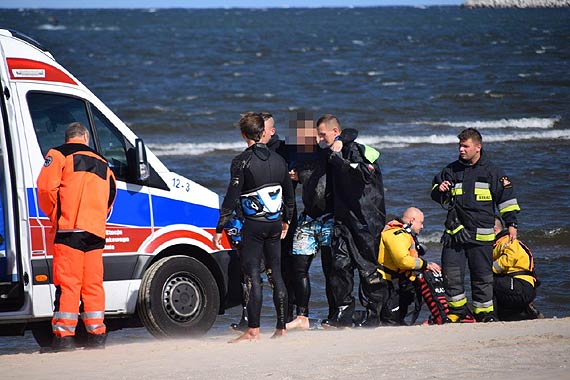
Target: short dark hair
[[252, 125], [470, 133], [266, 115], [328, 118], [75, 129], [498, 219]]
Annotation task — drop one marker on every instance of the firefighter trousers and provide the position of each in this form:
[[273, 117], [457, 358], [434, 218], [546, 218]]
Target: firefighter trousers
[[479, 258]]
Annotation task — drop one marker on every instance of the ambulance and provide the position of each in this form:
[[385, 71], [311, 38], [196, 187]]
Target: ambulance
[[161, 270]]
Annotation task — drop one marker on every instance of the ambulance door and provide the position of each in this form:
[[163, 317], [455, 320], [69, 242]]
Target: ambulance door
[[11, 280], [129, 222]]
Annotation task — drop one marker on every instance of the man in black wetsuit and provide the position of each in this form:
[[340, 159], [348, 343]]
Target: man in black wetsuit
[[260, 184], [359, 217]]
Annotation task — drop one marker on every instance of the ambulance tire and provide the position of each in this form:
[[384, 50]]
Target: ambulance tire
[[178, 296]]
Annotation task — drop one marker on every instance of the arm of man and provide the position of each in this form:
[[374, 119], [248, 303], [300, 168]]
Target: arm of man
[[504, 257], [233, 193], [399, 246], [506, 201], [49, 182], [441, 186]]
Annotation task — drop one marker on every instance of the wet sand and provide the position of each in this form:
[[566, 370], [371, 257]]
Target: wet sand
[[536, 349]]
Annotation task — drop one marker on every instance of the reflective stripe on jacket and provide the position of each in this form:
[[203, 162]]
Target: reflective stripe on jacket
[[478, 190]]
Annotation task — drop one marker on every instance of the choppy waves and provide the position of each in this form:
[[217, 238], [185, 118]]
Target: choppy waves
[[523, 123], [503, 130]]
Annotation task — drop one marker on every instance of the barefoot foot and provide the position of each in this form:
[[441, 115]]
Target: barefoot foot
[[279, 333], [252, 334], [299, 323]]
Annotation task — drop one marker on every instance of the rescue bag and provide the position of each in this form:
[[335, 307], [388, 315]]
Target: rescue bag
[[432, 291]]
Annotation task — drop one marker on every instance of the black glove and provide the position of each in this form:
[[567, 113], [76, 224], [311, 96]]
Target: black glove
[[455, 233]]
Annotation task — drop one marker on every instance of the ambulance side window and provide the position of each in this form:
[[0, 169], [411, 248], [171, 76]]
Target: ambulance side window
[[51, 114], [112, 145]]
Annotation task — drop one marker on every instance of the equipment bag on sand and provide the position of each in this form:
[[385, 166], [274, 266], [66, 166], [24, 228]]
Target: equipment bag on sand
[[431, 287]]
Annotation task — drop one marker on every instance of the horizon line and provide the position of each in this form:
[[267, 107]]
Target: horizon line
[[242, 7]]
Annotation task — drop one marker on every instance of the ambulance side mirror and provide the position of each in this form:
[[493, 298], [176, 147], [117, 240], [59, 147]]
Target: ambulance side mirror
[[142, 168]]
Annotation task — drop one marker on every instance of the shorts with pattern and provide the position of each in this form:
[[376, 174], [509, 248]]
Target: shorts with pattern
[[312, 234]]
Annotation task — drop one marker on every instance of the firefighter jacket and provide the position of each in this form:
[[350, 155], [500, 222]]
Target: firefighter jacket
[[358, 189], [477, 190], [398, 254], [76, 189], [513, 259]]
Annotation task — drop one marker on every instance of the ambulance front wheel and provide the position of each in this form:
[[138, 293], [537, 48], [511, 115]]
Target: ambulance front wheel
[[178, 296]]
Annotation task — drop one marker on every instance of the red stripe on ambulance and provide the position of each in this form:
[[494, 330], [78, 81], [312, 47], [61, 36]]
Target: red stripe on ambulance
[[28, 69]]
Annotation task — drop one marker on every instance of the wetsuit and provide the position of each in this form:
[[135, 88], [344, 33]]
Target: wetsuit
[[477, 190], [260, 184], [359, 216], [514, 279]]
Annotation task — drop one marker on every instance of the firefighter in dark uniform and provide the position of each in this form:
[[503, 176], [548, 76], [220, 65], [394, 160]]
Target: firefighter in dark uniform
[[472, 188], [359, 217]]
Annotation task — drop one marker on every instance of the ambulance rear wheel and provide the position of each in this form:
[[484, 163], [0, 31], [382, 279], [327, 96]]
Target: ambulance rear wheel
[[178, 296]]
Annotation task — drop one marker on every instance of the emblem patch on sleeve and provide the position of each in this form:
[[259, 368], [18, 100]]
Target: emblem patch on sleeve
[[506, 182], [48, 161]]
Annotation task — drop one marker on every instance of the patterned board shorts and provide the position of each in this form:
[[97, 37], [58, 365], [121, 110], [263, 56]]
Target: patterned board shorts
[[312, 234]]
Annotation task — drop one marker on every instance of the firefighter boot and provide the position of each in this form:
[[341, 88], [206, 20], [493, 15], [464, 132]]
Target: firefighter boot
[[342, 318], [371, 319]]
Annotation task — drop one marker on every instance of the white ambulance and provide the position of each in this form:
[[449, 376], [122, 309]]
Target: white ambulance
[[161, 269]]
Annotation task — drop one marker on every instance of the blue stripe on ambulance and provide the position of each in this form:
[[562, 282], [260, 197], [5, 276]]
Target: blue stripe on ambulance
[[166, 211]]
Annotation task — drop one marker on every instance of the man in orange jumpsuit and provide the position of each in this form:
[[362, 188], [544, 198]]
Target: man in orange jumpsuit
[[76, 189]]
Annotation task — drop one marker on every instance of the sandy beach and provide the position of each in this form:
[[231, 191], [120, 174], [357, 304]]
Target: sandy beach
[[536, 349]]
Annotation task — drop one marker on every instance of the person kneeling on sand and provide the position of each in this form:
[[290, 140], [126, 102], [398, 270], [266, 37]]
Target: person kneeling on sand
[[514, 280], [398, 259]]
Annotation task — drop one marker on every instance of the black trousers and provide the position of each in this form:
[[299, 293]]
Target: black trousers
[[352, 251], [261, 241], [512, 296]]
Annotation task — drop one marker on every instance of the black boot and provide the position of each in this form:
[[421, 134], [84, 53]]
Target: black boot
[[96, 341], [60, 344], [342, 318], [370, 319]]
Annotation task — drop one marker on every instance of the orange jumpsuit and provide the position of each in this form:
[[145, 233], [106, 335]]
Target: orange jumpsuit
[[76, 189]]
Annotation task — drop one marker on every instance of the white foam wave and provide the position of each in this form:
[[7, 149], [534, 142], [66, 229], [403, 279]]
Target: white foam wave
[[523, 123], [51, 27], [384, 142], [440, 139], [430, 237], [194, 149]]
